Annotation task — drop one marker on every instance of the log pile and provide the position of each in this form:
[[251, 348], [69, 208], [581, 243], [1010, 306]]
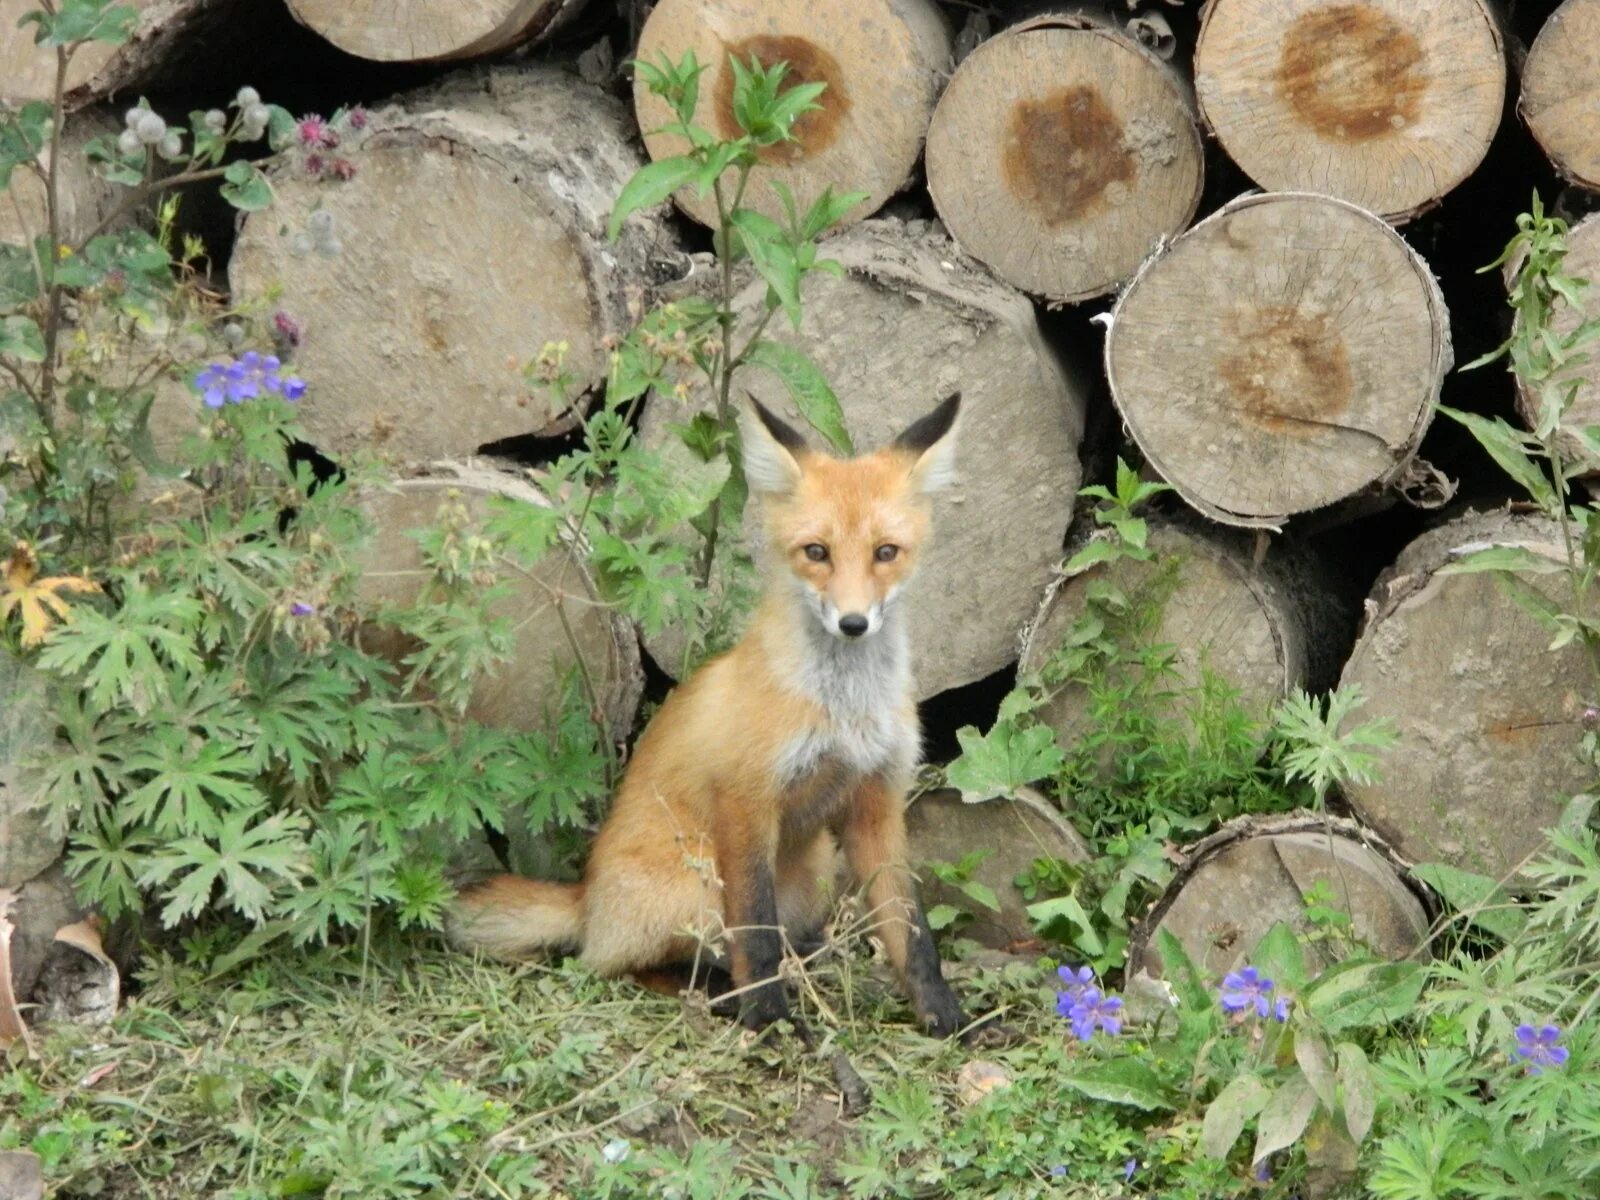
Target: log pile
[[1275, 356]]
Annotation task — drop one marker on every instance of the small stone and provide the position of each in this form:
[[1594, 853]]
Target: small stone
[[978, 1078]]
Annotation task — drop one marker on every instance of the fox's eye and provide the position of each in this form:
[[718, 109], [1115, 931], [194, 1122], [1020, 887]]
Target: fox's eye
[[886, 553], [817, 552]]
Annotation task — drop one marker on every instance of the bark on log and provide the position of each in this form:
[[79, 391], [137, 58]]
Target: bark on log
[[883, 62], [1283, 355], [473, 230], [1561, 90], [84, 197], [1262, 629], [1386, 103], [942, 828], [27, 726], [910, 322], [1241, 881], [1489, 718], [176, 43], [426, 31], [1061, 154], [541, 604], [1582, 262]]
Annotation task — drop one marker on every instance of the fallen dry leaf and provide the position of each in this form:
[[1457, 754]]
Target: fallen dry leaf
[[21, 590], [12, 1026]]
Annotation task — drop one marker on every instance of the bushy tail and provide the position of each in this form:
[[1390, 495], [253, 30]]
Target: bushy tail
[[511, 917]]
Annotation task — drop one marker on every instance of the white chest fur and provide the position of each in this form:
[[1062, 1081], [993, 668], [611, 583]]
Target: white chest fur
[[863, 689]]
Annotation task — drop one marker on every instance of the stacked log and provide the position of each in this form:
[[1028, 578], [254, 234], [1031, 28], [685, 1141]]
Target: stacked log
[[473, 230], [909, 322], [421, 31], [1489, 717], [1282, 356], [1387, 103], [1262, 628], [1062, 153], [1235, 885], [558, 621], [1561, 90], [883, 62]]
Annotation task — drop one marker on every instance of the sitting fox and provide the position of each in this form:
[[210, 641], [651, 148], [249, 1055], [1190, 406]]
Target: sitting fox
[[799, 740]]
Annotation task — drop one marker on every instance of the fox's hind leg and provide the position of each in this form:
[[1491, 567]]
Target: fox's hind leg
[[650, 907]]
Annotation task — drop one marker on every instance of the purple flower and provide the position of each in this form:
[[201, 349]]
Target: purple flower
[[1059, 1171], [1095, 1010], [213, 384], [1129, 1167], [301, 609], [1246, 989], [293, 388], [1280, 1011], [1078, 981], [1263, 1171], [1539, 1049]]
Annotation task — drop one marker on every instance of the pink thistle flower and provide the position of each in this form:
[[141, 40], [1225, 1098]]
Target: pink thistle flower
[[312, 131], [342, 169]]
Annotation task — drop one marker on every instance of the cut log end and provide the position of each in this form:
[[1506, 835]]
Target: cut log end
[[1386, 103], [1561, 90], [1255, 628], [424, 31], [1283, 355], [1061, 153], [882, 61], [1489, 718], [1241, 882], [473, 230], [28, 71], [541, 606], [909, 322]]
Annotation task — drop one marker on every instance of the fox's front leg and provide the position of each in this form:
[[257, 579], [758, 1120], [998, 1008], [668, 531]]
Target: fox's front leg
[[874, 837], [746, 861]]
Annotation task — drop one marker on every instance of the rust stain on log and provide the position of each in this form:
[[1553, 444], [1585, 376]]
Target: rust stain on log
[[1352, 73], [1064, 153], [814, 131], [1289, 372]]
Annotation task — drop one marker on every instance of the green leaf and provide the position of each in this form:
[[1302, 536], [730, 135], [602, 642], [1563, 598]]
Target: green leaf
[[1096, 551], [1043, 913], [1316, 1063], [827, 210], [1226, 1116], [1358, 1091], [1285, 1117], [942, 916], [649, 187], [246, 188], [23, 135], [1517, 559], [773, 256], [1279, 957], [1121, 1081], [21, 339], [1003, 760], [1359, 995], [1178, 969], [1477, 897], [88, 21], [808, 388], [982, 893], [1506, 446]]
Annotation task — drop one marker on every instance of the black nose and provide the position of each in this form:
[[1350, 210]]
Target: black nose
[[852, 624]]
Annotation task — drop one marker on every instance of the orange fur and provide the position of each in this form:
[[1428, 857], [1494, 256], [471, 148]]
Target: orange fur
[[726, 821]]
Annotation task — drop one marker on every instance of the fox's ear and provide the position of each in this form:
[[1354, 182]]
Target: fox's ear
[[769, 448], [933, 441]]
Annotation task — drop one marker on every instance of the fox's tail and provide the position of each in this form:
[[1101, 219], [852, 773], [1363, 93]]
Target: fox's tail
[[511, 917]]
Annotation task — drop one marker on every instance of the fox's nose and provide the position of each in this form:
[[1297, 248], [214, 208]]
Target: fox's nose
[[852, 625]]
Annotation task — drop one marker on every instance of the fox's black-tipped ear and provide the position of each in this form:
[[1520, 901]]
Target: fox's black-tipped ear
[[769, 448], [933, 440]]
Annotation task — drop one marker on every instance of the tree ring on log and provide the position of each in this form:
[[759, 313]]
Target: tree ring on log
[[526, 692], [883, 62], [1386, 103], [1561, 90], [425, 31], [1255, 872], [1061, 154], [1283, 355], [1490, 719]]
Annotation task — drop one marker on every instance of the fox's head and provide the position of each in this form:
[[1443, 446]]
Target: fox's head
[[849, 531]]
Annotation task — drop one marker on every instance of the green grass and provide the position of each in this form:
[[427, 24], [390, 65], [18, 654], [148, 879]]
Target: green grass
[[419, 1073]]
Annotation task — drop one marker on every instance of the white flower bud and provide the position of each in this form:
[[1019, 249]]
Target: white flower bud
[[129, 142], [216, 120], [133, 116], [151, 129], [331, 248], [171, 145], [321, 223], [300, 245], [247, 97], [233, 333]]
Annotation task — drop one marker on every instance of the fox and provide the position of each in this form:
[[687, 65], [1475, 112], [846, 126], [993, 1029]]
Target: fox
[[798, 742]]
